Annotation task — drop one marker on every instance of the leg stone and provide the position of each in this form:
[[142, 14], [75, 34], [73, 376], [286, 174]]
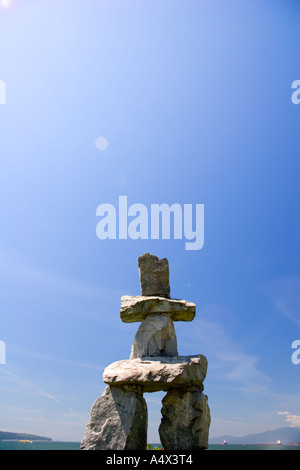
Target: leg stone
[[185, 420], [118, 421]]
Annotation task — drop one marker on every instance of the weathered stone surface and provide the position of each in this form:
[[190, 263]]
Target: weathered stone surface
[[136, 308], [154, 275], [118, 421], [158, 373], [185, 420], [155, 337]]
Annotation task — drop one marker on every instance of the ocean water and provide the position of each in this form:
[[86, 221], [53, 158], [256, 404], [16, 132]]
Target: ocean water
[[39, 445]]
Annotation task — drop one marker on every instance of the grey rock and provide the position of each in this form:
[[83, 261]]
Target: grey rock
[[118, 421], [155, 337], [136, 308], [158, 373], [185, 420], [154, 275]]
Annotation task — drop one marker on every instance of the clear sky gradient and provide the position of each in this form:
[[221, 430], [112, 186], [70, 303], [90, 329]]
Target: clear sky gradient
[[192, 101]]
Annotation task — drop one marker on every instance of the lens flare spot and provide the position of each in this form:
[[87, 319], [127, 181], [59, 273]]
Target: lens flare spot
[[101, 143]]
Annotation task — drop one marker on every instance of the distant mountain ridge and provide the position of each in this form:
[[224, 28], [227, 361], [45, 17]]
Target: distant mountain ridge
[[13, 436], [285, 435]]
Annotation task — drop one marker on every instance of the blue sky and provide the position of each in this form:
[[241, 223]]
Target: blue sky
[[194, 101]]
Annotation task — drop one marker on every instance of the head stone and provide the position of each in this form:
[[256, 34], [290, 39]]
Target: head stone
[[154, 276]]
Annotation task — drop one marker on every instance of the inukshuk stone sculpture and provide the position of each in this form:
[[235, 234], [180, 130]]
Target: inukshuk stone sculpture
[[119, 417]]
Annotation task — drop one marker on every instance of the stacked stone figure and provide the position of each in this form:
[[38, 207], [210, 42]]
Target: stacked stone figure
[[119, 417]]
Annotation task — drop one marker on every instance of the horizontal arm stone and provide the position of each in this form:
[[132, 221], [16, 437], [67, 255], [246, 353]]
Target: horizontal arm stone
[[136, 308]]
